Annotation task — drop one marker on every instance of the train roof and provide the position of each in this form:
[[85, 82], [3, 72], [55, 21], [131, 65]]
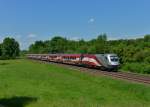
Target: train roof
[[109, 54]]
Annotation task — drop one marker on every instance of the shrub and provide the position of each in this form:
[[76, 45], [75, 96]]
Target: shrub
[[147, 69], [147, 59], [137, 67]]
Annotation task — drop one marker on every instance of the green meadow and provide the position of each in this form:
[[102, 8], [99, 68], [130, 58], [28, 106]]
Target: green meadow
[[26, 83]]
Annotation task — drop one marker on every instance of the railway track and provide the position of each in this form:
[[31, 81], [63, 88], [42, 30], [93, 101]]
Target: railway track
[[132, 77]]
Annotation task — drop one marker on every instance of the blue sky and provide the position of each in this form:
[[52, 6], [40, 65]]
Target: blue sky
[[30, 20]]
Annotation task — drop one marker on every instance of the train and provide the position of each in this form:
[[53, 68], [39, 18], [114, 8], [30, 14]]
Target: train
[[109, 62]]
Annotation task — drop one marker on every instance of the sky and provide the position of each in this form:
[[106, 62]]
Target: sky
[[31, 20]]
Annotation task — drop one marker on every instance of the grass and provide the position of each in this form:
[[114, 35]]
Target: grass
[[25, 83]]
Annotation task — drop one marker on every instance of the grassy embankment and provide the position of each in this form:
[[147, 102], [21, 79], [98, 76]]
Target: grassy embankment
[[25, 83]]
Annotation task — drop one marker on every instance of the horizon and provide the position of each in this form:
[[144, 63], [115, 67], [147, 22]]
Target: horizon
[[31, 20]]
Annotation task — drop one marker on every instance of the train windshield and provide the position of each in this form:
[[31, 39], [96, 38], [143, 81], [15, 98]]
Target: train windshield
[[114, 58]]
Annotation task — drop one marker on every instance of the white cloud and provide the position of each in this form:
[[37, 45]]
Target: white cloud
[[32, 36], [91, 20]]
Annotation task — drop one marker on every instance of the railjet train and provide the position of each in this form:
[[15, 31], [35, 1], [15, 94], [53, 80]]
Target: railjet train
[[101, 61]]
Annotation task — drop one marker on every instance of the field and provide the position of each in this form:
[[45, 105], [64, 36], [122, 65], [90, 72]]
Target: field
[[25, 83]]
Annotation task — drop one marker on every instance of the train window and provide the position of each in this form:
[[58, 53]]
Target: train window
[[114, 58], [69, 58]]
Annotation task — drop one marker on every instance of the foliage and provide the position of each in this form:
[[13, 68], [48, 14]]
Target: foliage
[[0, 49], [55, 86], [137, 67], [9, 48], [62, 45]]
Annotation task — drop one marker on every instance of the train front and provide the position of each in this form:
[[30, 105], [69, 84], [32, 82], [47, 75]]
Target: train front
[[108, 61], [113, 61]]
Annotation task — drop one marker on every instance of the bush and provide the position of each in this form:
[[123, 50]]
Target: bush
[[137, 67], [147, 69], [147, 59]]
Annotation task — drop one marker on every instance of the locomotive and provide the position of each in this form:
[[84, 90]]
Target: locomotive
[[101, 61]]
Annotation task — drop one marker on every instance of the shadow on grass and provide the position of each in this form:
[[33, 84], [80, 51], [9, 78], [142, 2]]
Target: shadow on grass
[[4, 63], [16, 101]]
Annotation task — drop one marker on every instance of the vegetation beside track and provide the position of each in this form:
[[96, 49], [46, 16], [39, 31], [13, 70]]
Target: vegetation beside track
[[33, 84], [136, 67]]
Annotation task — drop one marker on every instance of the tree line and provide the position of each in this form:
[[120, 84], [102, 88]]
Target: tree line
[[9, 49]]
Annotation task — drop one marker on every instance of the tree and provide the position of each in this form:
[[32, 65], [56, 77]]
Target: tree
[[58, 45], [101, 44], [10, 48], [147, 38], [37, 47]]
